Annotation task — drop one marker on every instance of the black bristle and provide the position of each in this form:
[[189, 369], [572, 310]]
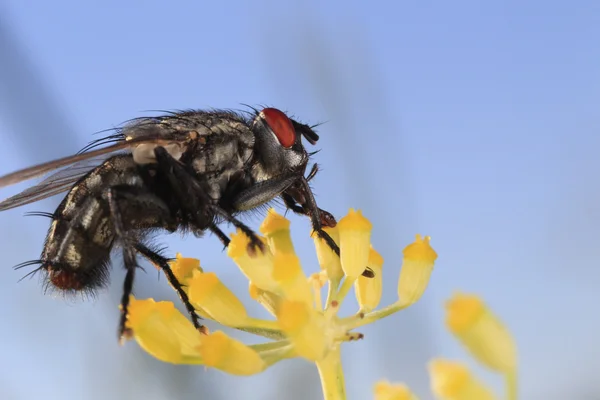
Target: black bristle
[[39, 214]]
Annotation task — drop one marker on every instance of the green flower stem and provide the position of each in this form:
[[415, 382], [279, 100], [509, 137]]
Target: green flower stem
[[338, 297], [331, 290], [368, 318], [511, 385], [332, 376], [274, 352], [268, 333]]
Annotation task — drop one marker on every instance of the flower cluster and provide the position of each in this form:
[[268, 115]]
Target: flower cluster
[[488, 342], [302, 324]]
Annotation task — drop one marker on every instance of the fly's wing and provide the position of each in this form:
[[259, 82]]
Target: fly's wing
[[54, 184], [74, 167], [174, 128]]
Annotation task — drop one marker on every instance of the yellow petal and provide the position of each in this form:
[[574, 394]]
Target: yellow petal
[[232, 356], [258, 267], [290, 278], [164, 332], [453, 381], [417, 266], [387, 391], [269, 300], [328, 260], [211, 295], [277, 230], [368, 290], [355, 236], [304, 327], [481, 332], [184, 267]]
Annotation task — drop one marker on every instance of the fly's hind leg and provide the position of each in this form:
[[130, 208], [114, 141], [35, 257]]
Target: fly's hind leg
[[129, 258], [133, 201]]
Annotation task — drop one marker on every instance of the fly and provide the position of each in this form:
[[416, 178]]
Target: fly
[[182, 171]]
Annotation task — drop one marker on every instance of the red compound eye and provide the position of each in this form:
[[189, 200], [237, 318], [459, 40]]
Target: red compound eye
[[281, 126]]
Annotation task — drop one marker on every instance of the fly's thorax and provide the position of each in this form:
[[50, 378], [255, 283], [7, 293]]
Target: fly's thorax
[[220, 158]]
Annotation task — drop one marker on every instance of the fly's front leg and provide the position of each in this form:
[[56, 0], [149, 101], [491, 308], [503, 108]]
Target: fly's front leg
[[292, 203], [315, 216]]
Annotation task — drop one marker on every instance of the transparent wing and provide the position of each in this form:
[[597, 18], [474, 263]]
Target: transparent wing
[[73, 168], [54, 184]]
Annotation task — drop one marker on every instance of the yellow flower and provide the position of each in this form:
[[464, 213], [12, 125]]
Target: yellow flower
[[355, 238], [328, 260], [481, 332], [387, 391], [288, 274], [416, 270], [183, 268], [303, 325], [257, 267], [277, 230], [163, 331], [369, 290], [222, 352], [453, 381], [208, 293]]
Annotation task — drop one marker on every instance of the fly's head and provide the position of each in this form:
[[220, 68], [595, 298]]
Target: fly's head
[[278, 146]]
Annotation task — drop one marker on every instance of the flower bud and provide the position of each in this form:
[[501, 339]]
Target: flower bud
[[257, 267], [355, 236], [276, 228], [232, 356], [184, 267], [368, 290], [328, 260], [417, 266], [207, 292], [163, 332], [293, 284]]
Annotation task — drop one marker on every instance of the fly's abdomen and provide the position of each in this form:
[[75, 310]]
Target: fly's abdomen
[[78, 245], [77, 250]]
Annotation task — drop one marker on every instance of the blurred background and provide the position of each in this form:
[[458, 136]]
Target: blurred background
[[476, 123]]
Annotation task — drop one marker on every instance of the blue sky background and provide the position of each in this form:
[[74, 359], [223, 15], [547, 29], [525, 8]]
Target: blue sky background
[[476, 123]]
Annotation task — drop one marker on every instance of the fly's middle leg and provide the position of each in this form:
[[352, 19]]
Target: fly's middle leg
[[192, 197]]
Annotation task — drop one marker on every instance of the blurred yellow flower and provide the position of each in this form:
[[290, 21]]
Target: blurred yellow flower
[[453, 381], [303, 325], [481, 332], [387, 391]]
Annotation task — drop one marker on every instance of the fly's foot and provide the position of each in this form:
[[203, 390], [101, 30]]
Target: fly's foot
[[254, 244], [327, 220]]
